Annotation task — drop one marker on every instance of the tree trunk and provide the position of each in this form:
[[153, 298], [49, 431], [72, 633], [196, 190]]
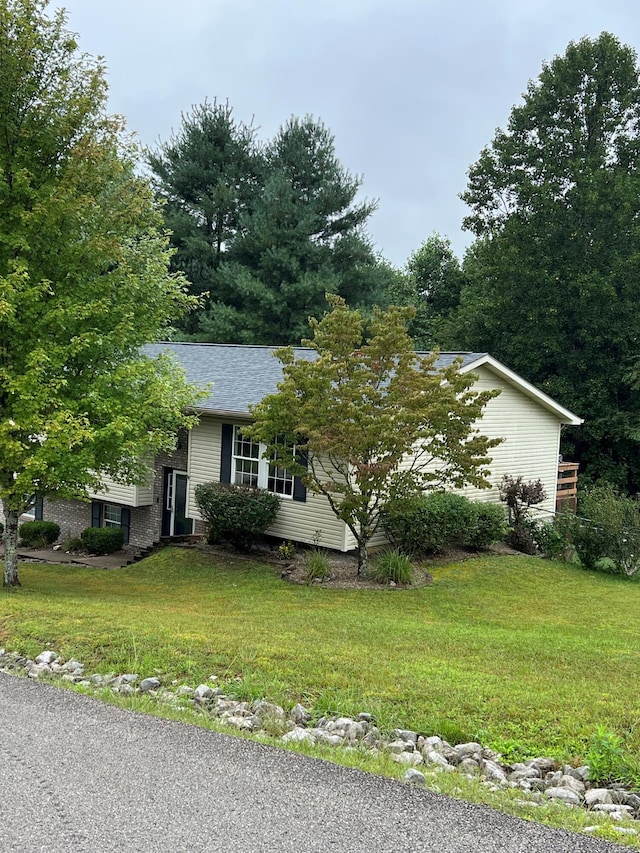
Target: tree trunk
[[10, 576], [363, 558]]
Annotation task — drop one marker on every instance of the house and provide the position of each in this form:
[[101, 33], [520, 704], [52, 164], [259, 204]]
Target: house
[[528, 421]]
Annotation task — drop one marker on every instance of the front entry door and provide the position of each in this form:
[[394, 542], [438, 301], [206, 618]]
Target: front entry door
[[174, 516]]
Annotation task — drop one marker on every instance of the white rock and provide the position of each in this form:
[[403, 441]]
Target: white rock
[[573, 784], [493, 772], [566, 795], [415, 777], [412, 758], [46, 657], [203, 692], [597, 796], [397, 746], [431, 756], [299, 714], [298, 735], [405, 734]]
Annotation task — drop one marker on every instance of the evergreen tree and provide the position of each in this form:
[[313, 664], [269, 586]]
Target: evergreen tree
[[554, 275], [296, 233], [208, 173]]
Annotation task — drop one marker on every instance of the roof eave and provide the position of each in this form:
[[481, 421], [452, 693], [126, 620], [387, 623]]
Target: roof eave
[[223, 413], [565, 415]]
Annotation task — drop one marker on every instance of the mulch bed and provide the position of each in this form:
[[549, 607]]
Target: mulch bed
[[344, 567]]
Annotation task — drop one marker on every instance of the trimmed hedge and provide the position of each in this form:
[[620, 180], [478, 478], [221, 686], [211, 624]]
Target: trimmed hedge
[[102, 540], [38, 534], [236, 514], [427, 524]]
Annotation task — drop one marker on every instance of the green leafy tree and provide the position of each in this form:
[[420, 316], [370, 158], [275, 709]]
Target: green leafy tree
[[208, 172], [431, 282], [369, 419], [84, 280], [554, 275]]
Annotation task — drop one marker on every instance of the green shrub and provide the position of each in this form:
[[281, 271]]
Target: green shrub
[[425, 525], [38, 534], [549, 539], [318, 567], [237, 514], [392, 566], [489, 525], [102, 540], [1, 530], [606, 532], [608, 762]]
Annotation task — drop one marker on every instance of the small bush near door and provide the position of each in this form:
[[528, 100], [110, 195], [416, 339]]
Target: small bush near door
[[103, 540], [38, 534], [237, 514]]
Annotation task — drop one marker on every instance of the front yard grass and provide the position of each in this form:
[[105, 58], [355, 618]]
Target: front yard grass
[[527, 656]]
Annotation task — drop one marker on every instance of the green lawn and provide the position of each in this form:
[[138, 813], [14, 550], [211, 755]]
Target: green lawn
[[522, 654]]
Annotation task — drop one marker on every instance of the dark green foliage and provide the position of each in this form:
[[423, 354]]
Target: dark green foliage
[[549, 538], [606, 531], [265, 230], [38, 534], [553, 279], [431, 282], [1, 530], [237, 514], [489, 525], [392, 567], [209, 173], [426, 525], [102, 540]]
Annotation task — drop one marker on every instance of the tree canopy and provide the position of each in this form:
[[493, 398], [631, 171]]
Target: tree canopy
[[84, 279], [264, 229], [431, 282], [369, 419], [553, 279]]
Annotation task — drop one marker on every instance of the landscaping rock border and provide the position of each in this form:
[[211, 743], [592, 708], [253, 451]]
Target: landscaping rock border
[[539, 779]]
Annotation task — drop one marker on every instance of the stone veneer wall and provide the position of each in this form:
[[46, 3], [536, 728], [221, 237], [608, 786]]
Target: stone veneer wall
[[146, 521]]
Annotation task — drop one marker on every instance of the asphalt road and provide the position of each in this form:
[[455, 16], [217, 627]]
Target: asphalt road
[[78, 775]]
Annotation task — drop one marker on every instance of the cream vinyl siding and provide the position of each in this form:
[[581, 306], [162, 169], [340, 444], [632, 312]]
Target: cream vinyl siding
[[118, 493], [530, 448], [300, 521], [532, 440]]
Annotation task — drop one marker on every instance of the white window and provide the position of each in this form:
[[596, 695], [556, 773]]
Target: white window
[[250, 468], [112, 516], [247, 460]]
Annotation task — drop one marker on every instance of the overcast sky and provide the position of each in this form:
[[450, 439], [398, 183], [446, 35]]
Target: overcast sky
[[411, 89]]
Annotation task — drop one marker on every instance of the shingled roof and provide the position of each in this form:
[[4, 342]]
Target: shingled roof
[[243, 375]]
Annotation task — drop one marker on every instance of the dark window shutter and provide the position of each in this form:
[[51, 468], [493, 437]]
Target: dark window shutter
[[125, 522], [96, 514], [39, 509], [299, 488], [226, 452]]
